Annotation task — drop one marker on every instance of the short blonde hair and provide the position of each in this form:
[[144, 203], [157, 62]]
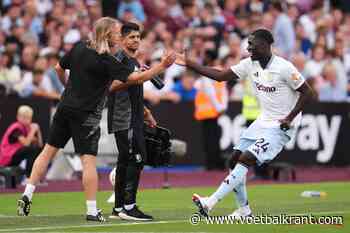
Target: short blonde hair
[[24, 110], [101, 35]]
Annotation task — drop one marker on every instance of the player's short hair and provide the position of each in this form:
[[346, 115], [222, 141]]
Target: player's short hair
[[264, 34], [129, 27]]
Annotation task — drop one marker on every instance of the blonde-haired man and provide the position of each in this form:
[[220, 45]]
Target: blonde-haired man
[[21, 141], [92, 69]]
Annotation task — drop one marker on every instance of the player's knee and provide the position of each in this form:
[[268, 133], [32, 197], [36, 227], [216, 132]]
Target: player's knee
[[247, 158], [231, 162]]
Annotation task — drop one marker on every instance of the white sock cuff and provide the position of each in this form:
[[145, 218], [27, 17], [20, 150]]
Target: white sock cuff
[[129, 207], [91, 207], [29, 190]]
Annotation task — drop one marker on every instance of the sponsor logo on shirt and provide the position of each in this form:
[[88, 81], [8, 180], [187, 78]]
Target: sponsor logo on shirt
[[261, 87]]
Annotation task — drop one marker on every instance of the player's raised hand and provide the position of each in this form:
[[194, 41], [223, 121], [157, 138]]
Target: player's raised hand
[[180, 59], [168, 59]]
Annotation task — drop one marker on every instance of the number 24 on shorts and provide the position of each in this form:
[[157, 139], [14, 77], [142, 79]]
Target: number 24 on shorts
[[260, 143]]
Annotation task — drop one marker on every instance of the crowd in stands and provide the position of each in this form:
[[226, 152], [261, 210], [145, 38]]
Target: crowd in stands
[[313, 34]]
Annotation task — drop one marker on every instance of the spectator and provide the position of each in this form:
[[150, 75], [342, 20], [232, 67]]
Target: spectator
[[51, 73], [10, 74], [210, 103], [308, 21], [189, 16], [329, 89], [283, 30], [341, 62], [132, 6], [268, 21], [21, 141], [313, 67], [2, 41], [54, 45], [11, 18], [303, 43], [299, 60], [28, 57], [38, 88], [209, 27], [185, 87], [228, 12], [32, 29]]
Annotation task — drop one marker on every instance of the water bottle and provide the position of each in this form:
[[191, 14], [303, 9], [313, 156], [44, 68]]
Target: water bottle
[[313, 194]]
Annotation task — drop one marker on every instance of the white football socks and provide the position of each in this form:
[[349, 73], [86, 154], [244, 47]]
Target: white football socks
[[231, 181], [241, 194], [91, 207], [28, 191]]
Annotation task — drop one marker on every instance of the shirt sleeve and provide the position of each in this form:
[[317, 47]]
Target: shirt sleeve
[[241, 69], [65, 61], [117, 70], [293, 77], [13, 137]]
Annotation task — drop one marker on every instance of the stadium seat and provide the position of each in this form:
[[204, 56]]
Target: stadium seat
[[282, 171], [12, 176]]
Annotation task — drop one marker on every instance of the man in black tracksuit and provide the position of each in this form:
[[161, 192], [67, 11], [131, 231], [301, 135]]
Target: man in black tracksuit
[[126, 116]]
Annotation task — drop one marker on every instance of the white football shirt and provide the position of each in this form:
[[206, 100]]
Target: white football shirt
[[275, 88]]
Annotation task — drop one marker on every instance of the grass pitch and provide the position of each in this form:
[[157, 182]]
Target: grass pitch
[[172, 208]]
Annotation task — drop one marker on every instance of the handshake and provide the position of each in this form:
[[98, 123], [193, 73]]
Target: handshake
[[171, 57]]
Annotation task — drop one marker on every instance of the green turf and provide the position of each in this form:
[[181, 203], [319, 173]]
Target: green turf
[[62, 212]]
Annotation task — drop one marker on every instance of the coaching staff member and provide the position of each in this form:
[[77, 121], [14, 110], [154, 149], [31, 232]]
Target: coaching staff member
[[92, 68], [126, 116]]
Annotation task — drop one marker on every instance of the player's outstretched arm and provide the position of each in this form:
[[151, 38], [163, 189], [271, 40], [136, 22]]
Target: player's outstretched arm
[[218, 75], [140, 77], [118, 86]]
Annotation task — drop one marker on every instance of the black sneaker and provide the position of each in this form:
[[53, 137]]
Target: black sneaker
[[96, 218], [134, 214], [115, 214], [23, 206]]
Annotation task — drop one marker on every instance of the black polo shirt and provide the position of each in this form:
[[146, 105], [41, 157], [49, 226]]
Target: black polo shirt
[[89, 78], [125, 108]]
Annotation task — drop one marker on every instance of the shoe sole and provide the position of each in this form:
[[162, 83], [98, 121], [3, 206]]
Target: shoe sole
[[20, 208], [123, 216], [96, 220], [197, 202]]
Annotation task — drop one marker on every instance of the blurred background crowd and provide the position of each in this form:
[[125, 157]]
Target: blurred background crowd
[[313, 34]]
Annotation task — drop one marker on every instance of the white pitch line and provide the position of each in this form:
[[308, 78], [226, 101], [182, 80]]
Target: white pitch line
[[91, 225], [16, 216], [139, 223], [325, 212], [136, 232]]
